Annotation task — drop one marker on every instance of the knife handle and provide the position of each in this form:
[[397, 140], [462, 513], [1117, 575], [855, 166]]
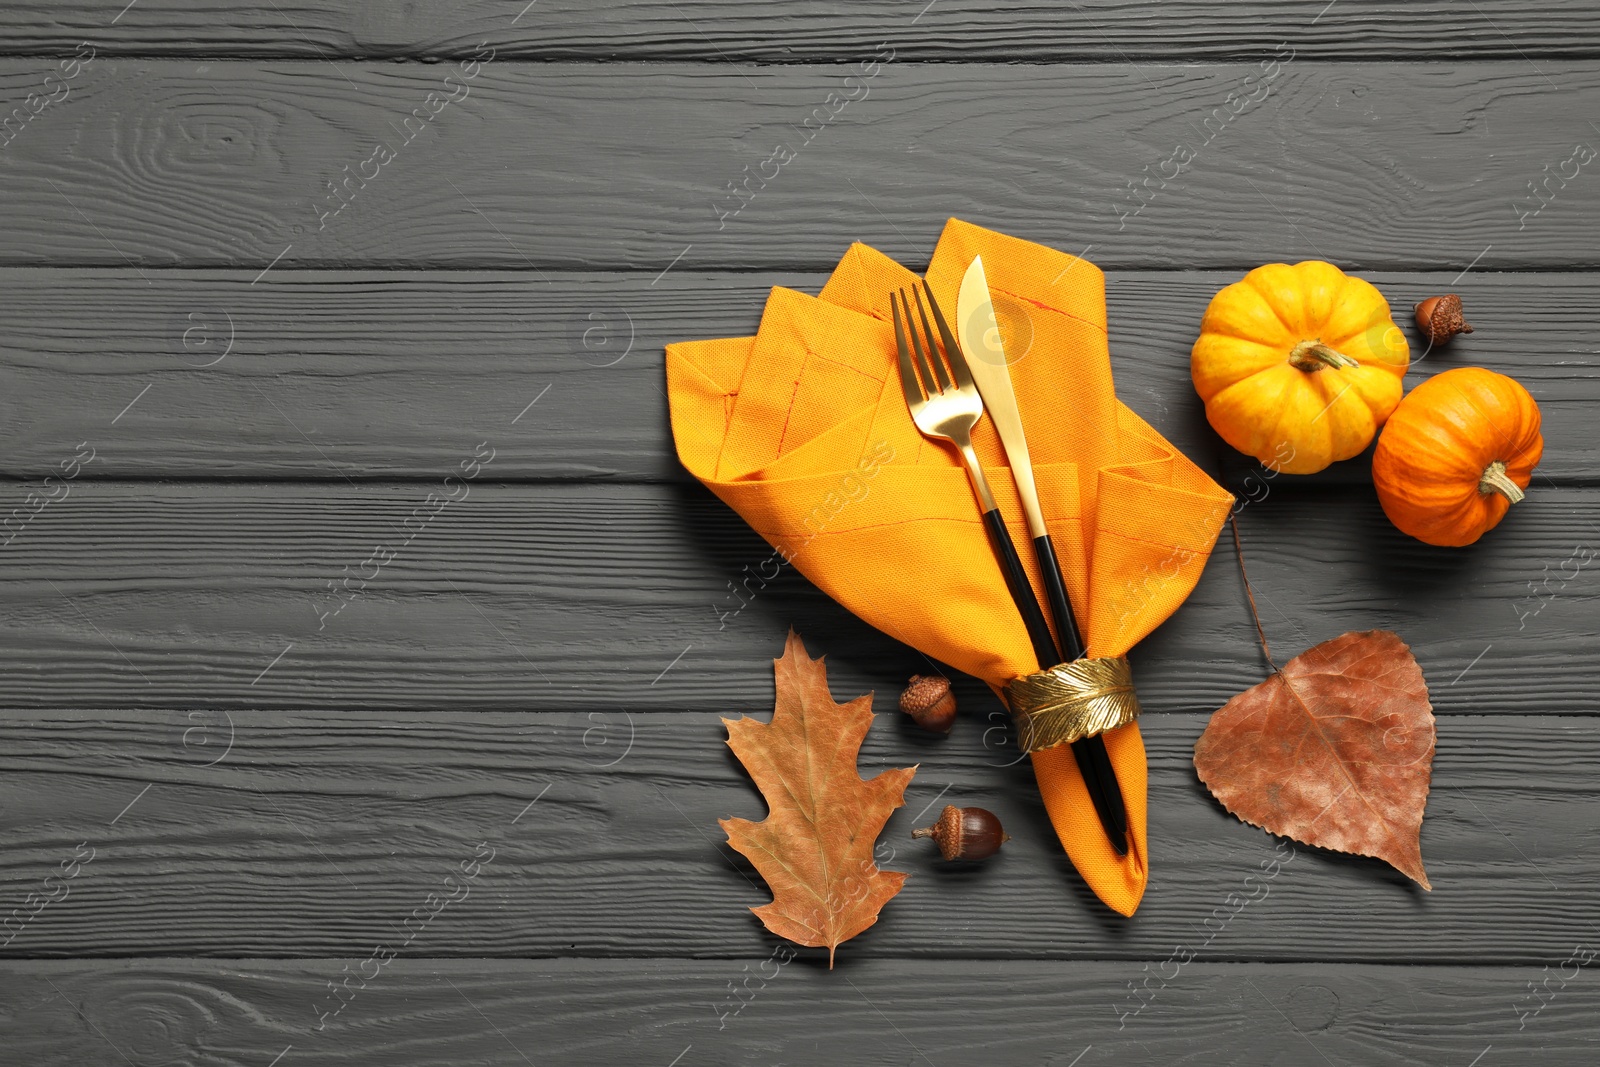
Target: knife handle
[[1044, 646], [1055, 587], [1094, 762], [1100, 778]]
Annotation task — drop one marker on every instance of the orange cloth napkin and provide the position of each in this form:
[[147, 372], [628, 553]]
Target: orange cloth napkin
[[803, 430]]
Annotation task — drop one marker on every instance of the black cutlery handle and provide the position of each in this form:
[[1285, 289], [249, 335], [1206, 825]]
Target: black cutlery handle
[[1091, 752], [1044, 646], [1055, 587], [1093, 759], [1094, 763]]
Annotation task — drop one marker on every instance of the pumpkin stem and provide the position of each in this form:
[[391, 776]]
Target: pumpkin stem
[[1312, 356], [1496, 480]]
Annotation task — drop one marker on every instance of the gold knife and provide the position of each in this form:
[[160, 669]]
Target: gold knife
[[986, 358]]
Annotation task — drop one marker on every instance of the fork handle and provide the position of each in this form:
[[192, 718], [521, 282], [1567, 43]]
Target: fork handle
[[1044, 646]]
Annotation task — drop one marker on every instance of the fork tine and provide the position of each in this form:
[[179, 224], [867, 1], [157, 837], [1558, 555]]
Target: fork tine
[[919, 363], [933, 344], [952, 351], [931, 385], [938, 376], [908, 376]]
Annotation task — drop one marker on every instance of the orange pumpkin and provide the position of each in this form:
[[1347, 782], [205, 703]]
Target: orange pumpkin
[[1456, 454]]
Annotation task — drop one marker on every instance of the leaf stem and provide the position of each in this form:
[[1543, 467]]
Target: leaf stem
[[1238, 549]]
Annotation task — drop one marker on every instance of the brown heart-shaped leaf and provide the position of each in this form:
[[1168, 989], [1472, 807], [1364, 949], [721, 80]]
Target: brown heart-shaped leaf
[[1335, 750]]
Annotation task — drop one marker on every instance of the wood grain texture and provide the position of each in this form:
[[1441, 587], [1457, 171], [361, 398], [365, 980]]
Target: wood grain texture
[[808, 29], [392, 375], [593, 596], [271, 789], [318, 834], [161, 163], [427, 1013]]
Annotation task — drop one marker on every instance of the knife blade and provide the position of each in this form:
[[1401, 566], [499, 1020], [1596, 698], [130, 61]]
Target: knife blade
[[979, 333], [986, 356], [980, 339]]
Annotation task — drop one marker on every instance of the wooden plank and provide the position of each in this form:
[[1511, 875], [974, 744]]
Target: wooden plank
[[162, 163], [395, 375], [435, 1013], [318, 834], [591, 596], [1105, 31]]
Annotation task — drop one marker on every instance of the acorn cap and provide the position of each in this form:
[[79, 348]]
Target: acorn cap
[[965, 833], [929, 700], [1440, 318]]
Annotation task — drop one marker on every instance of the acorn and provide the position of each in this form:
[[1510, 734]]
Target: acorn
[[1440, 318], [965, 833], [929, 701]]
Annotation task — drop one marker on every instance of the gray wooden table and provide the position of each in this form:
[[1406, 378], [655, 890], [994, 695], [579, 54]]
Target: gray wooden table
[[241, 748]]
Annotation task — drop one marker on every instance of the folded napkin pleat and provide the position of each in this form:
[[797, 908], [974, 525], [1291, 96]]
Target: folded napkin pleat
[[803, 430]]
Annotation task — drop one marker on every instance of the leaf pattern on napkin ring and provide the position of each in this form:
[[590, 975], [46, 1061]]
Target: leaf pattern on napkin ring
[[1072, 701]]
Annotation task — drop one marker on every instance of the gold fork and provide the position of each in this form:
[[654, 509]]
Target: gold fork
[[944, 403]]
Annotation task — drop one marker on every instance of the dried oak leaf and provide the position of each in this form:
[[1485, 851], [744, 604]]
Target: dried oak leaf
[[814, 848], [1335, 750]]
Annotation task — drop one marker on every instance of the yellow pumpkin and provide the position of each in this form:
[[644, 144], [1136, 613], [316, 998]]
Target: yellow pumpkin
[[1299, 366]]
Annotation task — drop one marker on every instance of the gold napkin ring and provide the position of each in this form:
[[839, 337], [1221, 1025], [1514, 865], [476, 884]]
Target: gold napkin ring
[[1072, 701]]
